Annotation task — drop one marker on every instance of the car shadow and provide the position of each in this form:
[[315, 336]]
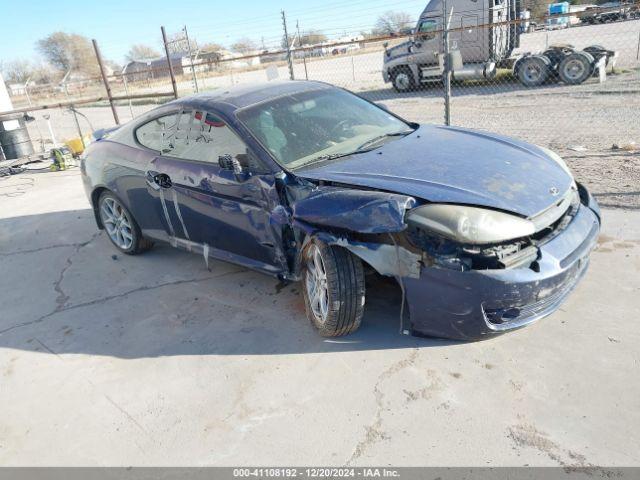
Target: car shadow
[[73, 293]]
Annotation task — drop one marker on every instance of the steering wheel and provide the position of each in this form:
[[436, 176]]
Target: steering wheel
[[341, 125]]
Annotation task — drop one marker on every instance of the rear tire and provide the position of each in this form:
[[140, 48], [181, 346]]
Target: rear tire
[[532, 71], [333, 289], [576, 68], [122, 229]]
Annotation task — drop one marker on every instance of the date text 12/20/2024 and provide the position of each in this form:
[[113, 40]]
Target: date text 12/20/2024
[[316, 472]]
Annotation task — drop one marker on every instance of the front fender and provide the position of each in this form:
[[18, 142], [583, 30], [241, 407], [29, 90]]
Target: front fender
[[359, 211]]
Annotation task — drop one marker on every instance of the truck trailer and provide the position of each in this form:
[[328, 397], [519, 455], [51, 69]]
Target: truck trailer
[[483, 36]]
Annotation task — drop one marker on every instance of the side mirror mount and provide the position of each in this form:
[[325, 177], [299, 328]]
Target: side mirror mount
[[227, 162], [231, 164]]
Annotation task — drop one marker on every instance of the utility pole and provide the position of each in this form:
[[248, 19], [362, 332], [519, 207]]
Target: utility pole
[[166, 51], [193, 69], [304, 53], [107, 87], [286, 41], [447, 67]]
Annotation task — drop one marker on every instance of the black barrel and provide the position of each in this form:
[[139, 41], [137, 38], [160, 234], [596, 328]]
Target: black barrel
[[14, 137]]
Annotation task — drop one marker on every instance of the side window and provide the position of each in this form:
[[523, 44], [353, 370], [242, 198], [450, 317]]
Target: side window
[[204, 137], [427, 29], [156, 133]]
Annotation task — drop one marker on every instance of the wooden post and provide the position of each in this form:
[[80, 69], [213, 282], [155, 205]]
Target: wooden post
[[106, 82], [166, 51]]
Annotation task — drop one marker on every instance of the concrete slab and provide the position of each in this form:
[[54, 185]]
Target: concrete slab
[[154, 360]]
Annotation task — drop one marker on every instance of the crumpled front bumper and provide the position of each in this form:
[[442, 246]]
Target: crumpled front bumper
[[477, 303]]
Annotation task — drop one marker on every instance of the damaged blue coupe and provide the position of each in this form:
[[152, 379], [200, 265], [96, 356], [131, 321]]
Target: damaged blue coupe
[[308, 182]]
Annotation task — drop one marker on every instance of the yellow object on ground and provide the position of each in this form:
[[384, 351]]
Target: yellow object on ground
[[75, 144]]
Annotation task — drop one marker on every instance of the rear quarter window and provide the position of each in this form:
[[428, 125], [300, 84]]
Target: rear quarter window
[[154, 133]]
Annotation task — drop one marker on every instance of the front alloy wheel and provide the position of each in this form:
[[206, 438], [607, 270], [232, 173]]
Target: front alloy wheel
[[333, 285]]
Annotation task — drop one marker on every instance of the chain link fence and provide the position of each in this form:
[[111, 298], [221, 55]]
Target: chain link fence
[[569, 81]]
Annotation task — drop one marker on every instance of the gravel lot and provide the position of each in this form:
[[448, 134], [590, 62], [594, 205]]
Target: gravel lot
[[154, 360], [593, 115]]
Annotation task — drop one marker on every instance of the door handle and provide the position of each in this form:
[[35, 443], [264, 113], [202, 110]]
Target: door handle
[[158, 180]]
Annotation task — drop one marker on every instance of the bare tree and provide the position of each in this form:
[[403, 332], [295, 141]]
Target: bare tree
[[17, 71], [43, 73], [141, 52], [312, 37], [538, 8], [211, 47], [244, 46], [68, 51], [392, 22], [177, 43]]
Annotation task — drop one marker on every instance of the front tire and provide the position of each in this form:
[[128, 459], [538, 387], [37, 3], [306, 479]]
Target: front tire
[[333, 289], [402, 80], [121, 227]]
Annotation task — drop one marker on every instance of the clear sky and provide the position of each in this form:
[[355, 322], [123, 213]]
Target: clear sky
[[117, 24]]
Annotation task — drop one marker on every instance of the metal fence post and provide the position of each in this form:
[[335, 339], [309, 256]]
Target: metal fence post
[[75, 118], [166, 50], [72, 108], [286, 41], [26, 92], [304, 53], [126, 91], [446, 78], [106, 82], [193, 69]]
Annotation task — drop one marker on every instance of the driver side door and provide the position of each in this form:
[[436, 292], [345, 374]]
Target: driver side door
[[428, 42], [211, 207]]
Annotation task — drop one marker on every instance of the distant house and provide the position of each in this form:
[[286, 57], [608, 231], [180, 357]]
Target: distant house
[[137, 71], [159, 66], [237, 60], [203, 61], [141, 70], [16, 89]]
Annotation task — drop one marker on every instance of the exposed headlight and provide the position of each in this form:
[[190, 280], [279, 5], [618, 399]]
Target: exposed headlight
[[470, 225], [557, 158]]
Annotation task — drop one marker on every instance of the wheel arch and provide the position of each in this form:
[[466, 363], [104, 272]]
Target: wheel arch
[[95, 197]]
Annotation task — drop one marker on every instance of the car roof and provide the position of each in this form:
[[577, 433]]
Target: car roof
[[242, 96]]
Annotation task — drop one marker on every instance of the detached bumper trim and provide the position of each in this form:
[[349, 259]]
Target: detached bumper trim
[[471, 304], [532, 312]]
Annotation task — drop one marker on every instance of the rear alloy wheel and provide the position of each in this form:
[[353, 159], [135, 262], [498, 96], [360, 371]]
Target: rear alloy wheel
[[333, 289], [576, 68], [533, 71], [402, 80], [121, 227]]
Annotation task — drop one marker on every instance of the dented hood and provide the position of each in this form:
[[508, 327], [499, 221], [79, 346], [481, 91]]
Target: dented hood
[[455, 165]]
